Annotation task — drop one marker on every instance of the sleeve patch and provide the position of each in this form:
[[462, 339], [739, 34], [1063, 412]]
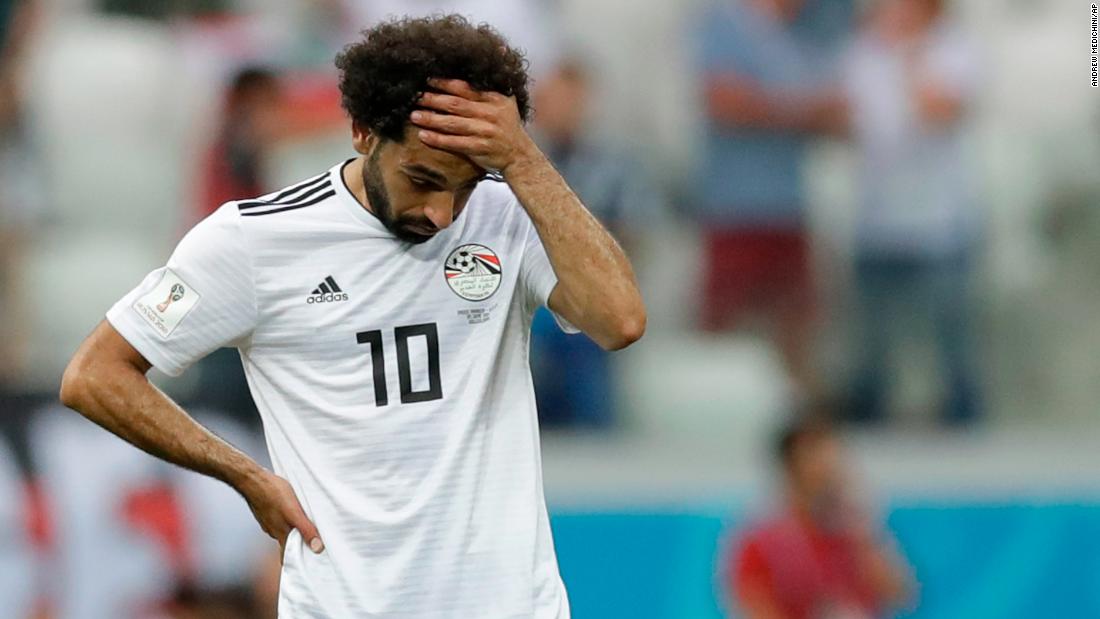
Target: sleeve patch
[[166, 305]]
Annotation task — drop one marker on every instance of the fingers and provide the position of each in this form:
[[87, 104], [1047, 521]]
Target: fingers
[[307, 529], [447, 123], [467, 145], [452, 104], [457, 87]]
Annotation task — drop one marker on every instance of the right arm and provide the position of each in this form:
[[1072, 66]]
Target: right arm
[[203, 299], [106, 382]]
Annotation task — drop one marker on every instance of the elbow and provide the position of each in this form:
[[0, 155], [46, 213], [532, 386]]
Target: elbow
[[630, 328], [75, 385], [72, 386]]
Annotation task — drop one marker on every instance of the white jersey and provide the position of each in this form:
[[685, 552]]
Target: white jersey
[[394, 387]]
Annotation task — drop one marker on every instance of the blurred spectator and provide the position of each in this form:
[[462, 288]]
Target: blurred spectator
[[819, 556], [766, 93], [233, 168], [911, 79], [18, 196], [572, 374]]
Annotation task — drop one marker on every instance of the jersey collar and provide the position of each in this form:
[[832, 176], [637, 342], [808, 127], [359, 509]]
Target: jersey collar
[[348, 201]]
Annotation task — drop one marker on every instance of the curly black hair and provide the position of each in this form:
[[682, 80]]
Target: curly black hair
[[383, 75]]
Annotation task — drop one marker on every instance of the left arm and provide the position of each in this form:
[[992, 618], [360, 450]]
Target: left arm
[[596, 288]]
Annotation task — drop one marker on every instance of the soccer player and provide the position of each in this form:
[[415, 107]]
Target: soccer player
[[381, 309]]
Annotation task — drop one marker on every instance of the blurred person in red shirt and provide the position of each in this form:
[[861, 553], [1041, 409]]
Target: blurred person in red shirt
[[233, 167], [262, 110], [819, 556]]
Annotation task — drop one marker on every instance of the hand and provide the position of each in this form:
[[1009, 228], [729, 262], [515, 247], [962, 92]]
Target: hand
[[277, 509], [484, 126]]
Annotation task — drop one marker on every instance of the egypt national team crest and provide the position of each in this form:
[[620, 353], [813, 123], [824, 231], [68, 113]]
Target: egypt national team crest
[[473, 272]]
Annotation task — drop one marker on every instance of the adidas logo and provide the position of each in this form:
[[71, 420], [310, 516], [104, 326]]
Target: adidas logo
[[327, 292]]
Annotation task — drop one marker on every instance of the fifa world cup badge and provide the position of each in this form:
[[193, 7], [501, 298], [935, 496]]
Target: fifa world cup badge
[[167, 303]]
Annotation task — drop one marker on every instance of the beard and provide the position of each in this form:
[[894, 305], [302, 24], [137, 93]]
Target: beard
[[379, 199]]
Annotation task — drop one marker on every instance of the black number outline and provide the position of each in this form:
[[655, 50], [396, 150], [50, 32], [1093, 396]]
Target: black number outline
[[401, 337]]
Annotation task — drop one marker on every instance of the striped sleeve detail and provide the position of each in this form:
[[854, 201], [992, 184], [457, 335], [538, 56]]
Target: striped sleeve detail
[[306, 193]]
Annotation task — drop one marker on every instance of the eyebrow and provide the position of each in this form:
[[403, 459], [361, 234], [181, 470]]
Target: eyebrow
[[426, 171], [435, 176]]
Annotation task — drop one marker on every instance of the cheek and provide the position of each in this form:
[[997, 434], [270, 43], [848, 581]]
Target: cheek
[[460, 203], [403, 207]]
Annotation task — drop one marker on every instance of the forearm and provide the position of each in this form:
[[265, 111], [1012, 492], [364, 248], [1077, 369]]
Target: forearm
[[119, 398], [736, 102], [596, 287]]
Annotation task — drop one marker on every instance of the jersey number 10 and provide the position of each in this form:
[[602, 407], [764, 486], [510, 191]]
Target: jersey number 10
[[401, 337]]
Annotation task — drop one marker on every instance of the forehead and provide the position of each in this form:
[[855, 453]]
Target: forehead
[[413, 155]]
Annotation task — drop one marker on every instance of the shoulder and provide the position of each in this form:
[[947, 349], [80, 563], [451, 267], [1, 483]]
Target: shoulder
[[952, 56], [493, 207], [494, 193], [298, 195], [232, 229], [309, 211], [217, 231]]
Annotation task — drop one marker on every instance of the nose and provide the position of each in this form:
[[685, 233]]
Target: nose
[[440, 212]]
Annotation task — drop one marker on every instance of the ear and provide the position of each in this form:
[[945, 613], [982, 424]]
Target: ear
[[362, 139]]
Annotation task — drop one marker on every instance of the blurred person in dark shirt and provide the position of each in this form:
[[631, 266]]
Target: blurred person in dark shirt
[[573, 376], [911, 78], [819, 556], [768, 89]]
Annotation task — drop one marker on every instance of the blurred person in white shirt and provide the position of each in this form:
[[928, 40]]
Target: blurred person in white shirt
[[911, 79]]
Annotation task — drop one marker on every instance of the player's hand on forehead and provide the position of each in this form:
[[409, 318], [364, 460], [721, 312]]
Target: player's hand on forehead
[[483, 125]]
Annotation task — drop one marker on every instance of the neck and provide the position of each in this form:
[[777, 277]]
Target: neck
[[805, 506], [353, 178]]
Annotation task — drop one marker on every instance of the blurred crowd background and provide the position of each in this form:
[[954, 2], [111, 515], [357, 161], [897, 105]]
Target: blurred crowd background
[[866, 231]]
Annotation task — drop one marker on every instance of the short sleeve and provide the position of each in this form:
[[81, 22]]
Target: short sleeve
[[202, 300], [538, 278], [719, 44]]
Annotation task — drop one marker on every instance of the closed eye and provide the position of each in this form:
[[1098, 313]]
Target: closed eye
[[423, 184]]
